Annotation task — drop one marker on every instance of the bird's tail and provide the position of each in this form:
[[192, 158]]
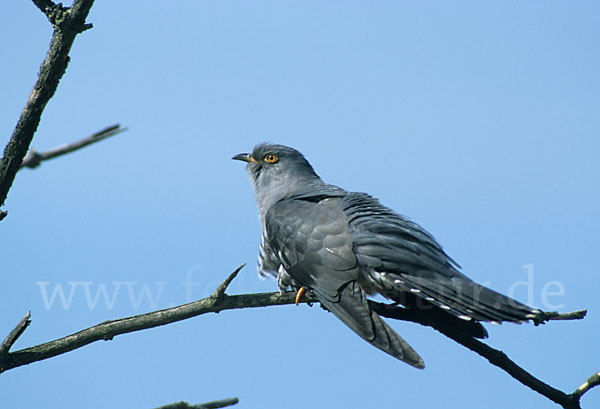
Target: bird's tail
[[353, 309], [464, 298], [428, 313]]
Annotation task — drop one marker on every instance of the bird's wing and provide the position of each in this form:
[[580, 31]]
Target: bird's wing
[[402, 259], [312, 241]]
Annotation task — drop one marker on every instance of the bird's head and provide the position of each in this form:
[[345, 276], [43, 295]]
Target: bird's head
[[277, 172]]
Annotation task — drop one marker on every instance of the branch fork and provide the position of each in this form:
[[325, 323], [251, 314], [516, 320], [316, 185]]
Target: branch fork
[[219, 295], [60, 16], [12, 337], [67, 24]]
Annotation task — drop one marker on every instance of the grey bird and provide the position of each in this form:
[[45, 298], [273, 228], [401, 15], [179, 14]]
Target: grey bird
[[344, 245]]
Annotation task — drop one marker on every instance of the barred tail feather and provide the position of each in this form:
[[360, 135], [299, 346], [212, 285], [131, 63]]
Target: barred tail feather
[[466, 299]]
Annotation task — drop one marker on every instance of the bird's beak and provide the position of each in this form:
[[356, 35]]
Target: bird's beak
[[246, 157]]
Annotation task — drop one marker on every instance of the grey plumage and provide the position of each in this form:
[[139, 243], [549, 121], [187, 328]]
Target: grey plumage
[[344, 245]]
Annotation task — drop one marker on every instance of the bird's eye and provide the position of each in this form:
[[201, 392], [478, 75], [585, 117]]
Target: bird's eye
[[271, 158]]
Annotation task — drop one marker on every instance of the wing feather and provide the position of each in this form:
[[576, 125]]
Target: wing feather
[[413, 262]]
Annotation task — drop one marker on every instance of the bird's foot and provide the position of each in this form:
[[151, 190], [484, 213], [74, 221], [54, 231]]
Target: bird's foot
[[299, 294]]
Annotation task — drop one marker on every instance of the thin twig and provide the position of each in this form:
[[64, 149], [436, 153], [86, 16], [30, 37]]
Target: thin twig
[[12, 337], [592, 382], [219, 293], [223, 403], [67, 24], [545, 316], [207, 405], [34, 158]]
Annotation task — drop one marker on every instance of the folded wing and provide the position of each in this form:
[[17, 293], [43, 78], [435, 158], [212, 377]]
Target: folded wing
[[312, 241], [404, 262]]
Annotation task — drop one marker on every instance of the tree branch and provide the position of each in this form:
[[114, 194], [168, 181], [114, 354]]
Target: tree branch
[[12, 337], [494, 356], [67, 22], [49, 8], [34, 158], [107, 330], [207, 405], [592, 382], [220, 301], [545, 316]]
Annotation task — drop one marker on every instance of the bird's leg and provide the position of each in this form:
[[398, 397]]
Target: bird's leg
[[299, 294]]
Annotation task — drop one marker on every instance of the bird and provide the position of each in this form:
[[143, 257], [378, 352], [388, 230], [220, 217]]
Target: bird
[[346, 246]]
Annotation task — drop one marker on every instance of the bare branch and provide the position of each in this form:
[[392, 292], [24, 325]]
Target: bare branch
[[34, 158], [592, 382], [109, 329], [220, 291], [220, 301], [207, 405], [555, 316], [223, 403], [44, 5], [48, 7], [12, 337], [67, 22], [494, 356]]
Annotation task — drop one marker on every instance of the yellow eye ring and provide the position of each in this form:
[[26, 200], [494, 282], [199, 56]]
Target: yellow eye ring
[[271, 158]]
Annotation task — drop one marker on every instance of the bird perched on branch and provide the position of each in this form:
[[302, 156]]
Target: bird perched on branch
[[343, 245]]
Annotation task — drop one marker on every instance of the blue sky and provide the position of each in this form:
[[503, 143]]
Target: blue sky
[[477, 119]]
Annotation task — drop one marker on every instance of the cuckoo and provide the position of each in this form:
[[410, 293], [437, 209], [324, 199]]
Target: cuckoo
[[343, 246]]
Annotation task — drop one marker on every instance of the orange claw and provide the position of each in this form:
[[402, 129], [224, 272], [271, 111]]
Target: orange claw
[[299, 294]]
